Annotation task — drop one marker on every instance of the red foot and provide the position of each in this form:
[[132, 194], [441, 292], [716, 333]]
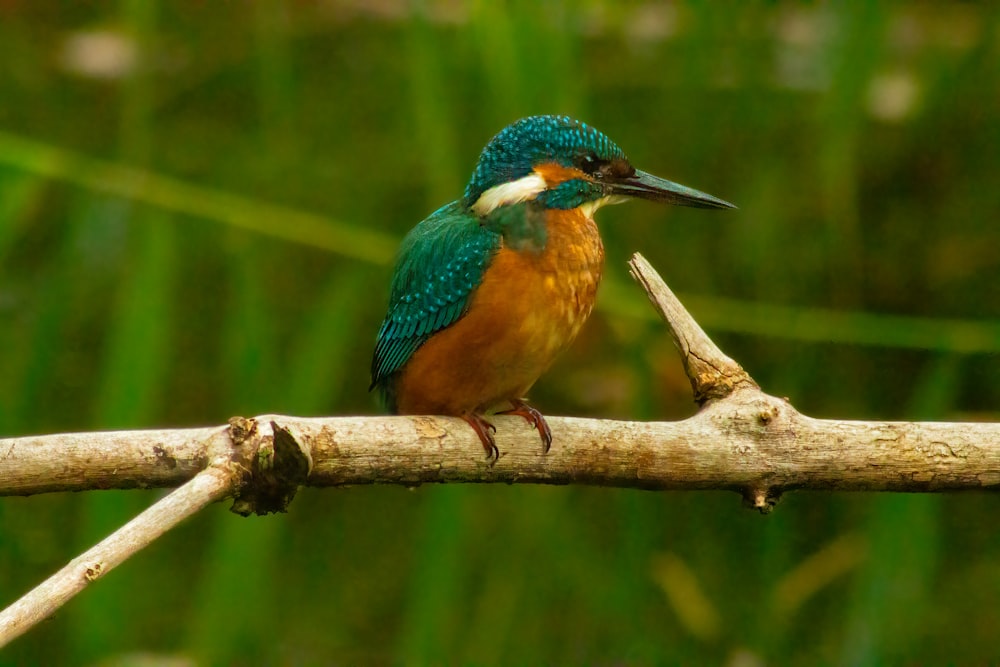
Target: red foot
[[485, 431], [534, 418]]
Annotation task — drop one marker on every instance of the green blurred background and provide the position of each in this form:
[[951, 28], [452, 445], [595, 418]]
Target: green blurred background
[[199, 205]]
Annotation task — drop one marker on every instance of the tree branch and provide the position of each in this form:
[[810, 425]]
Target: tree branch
[[712, 373], [742, 440], [748, 440], [205, 488]]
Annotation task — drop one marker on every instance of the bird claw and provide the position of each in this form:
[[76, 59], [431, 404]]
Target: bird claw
[[534, 418], [485, 431]]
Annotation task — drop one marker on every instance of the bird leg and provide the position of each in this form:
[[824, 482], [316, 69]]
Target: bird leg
[[534, 417], [485, 431]]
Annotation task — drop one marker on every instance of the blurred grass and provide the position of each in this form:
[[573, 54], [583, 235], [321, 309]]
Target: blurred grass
[[207, 230], [246, 213], [135, 359]]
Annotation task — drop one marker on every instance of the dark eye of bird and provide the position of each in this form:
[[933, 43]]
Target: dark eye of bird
[[589, 163], [614, 170]]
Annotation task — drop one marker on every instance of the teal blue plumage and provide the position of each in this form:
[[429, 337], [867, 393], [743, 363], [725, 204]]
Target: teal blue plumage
[[441, 262], [517, 148]]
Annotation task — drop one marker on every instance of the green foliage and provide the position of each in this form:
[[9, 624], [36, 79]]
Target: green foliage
[[199, 204]]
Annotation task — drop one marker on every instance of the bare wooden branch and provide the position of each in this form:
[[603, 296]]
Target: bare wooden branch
[[712, 373], [102, 460], [742, 440], [748, 440], [205, 488]]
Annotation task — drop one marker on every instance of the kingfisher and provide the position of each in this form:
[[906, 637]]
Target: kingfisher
[[489, 289]]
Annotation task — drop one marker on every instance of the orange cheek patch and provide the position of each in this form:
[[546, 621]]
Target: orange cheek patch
[[555, 173]]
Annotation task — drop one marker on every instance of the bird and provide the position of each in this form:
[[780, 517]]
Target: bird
[[490, 288]]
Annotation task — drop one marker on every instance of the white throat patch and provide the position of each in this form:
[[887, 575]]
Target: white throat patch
[[591, 207], [523, 189]]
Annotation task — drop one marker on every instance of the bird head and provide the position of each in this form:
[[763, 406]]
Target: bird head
[[564, 163]]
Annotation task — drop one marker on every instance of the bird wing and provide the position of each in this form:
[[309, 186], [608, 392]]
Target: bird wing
[[441, 263]]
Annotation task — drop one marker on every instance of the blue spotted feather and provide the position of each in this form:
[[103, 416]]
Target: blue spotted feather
[[441, 262]]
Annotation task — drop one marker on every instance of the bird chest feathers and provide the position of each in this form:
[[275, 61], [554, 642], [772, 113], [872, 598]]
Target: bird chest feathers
[[562, 278], [554, 286], [531, 302]]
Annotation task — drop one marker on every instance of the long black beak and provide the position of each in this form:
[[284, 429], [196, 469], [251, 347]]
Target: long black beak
[[654, 188]]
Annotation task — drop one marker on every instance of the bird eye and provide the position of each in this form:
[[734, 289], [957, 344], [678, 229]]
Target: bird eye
[[588, 163]]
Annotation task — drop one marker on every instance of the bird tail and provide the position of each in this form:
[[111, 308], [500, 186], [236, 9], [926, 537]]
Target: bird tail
[[386, 393]]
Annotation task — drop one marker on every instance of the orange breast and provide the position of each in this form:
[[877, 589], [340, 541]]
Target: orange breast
[[529, 307]]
